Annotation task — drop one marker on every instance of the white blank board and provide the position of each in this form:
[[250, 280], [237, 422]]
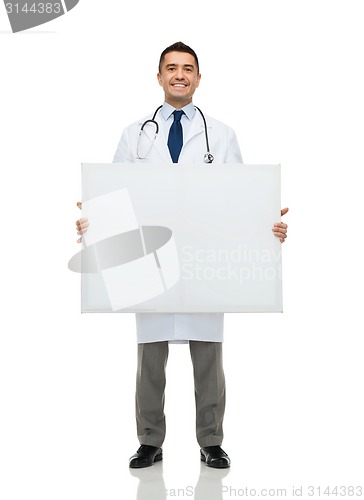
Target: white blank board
[[204, 241]]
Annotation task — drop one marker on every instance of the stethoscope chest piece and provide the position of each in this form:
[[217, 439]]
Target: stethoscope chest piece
[[208, 158]]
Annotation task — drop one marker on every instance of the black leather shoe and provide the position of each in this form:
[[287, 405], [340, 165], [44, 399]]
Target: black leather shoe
[[145, 456], [215, 457]]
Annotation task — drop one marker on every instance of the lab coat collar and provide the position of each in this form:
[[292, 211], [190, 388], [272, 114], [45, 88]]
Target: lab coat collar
[[188, 110], [158, 141], [191, 113], [196, 128]]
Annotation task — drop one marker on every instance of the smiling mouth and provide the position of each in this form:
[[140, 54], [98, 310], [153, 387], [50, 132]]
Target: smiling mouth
[[179, 85]]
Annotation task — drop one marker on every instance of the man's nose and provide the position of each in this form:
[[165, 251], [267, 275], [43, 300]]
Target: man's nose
[[179, 74]]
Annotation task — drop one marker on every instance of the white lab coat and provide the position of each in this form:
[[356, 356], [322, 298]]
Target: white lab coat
[[154, 327]]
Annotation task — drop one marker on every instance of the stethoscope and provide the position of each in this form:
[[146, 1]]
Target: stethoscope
[[208, 157]]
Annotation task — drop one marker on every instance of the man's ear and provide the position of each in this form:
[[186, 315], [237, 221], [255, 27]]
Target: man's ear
[[159, 79], [198, 80]]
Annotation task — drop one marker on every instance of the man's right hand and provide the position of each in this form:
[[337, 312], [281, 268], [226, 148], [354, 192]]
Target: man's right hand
[[81, 224]]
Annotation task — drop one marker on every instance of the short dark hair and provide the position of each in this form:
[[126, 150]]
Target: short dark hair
[[178, 47]]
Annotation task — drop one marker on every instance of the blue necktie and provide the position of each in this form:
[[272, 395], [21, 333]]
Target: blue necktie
[[175, 137]]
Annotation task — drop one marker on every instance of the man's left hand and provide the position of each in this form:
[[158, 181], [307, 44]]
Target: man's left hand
[[280, 229]]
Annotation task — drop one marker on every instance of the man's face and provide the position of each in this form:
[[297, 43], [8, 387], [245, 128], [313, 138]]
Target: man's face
[[179, 78]]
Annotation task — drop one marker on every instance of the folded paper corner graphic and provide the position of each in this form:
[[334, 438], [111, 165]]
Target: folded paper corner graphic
[[25, 14], [135, 263], [180, 240]]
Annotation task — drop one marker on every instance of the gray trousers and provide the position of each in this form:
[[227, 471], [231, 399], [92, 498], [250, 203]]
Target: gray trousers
[[209, 392]]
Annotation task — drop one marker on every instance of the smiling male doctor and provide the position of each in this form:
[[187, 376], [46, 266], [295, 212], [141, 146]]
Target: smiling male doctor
[[181, 139]]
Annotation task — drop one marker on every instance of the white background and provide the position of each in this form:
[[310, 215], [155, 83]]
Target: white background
[[287, 76]]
